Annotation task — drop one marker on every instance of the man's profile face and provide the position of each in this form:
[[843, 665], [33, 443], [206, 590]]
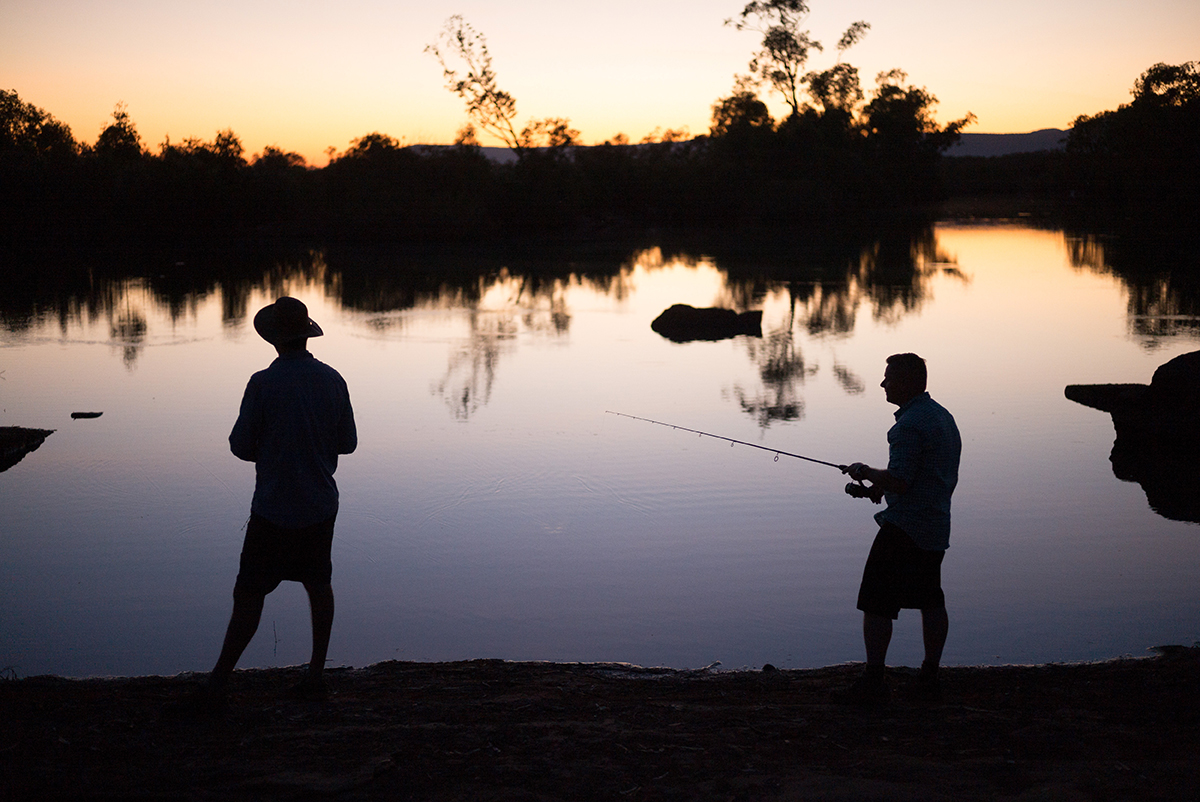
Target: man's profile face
[[898, 385]]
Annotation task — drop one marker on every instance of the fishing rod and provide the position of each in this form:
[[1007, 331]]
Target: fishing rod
[[778, 453], [855, 489], [858, 490]]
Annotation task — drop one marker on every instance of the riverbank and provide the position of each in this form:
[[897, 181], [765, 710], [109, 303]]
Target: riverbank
[[495, 730]]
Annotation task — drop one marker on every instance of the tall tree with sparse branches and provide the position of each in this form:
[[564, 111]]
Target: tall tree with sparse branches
[[785, 47], [488, 106]]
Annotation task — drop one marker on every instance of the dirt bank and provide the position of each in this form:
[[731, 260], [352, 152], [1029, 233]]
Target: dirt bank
[[494, 730]]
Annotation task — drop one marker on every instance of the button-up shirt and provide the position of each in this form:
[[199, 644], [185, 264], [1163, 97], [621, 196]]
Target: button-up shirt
[[295, 419], [923, 450]]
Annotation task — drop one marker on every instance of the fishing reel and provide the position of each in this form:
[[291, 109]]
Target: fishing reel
[[859, 490]]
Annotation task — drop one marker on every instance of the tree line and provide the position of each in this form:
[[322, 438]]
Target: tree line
[[1133, 170], [841, 157], [1139, 165]]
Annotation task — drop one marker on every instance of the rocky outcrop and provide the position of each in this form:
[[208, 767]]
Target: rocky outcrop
[[16, 442], [1157, 433], [682, 323]]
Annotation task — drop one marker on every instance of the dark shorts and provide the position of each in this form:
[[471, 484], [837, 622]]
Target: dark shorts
[[271, 554], [899, 574]]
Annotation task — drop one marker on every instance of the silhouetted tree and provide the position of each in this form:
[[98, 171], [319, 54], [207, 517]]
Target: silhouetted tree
[[1140, 164], [901, 117], [827, 165], [38, 184], [785, 48], [836, 89], [1168, 85], [903, 140], [282, 193], [374, 146], [227, 148], [488, 106], [119, 140], [551, 132], [466, 136], [740, 112], [26, 129], [274, 159]]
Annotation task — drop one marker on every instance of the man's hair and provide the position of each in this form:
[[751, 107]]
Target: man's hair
[[912, 365]]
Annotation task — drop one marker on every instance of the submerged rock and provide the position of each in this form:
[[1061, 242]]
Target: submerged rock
[[1157, 433], [682, 323]]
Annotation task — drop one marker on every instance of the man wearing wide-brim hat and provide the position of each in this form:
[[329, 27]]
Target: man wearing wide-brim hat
[[295, 420]]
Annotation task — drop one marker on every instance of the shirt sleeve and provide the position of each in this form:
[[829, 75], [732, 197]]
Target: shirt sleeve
[[243, 440], [347, 435], [904, 452]]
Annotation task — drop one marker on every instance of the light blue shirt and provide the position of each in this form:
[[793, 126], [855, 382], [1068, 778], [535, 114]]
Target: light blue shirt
[[923, 450], [294, 421]]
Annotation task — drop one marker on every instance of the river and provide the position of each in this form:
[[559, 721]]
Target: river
[[495, 509]]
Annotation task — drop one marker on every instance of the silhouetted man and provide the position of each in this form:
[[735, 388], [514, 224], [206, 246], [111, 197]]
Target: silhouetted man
[[903, 569], [295, 420]]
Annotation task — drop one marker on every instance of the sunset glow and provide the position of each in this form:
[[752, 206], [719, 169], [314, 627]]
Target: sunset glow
[[314, 75]]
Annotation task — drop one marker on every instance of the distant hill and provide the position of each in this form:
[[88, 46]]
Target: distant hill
[[969, 145], [500, 155], [1004, 144]]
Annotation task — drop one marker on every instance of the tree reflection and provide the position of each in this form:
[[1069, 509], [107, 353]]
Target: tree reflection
[[894, 272], [850, 382], [825, 290], [468, 380], [496, 297], [825, 311], [782, 369], [502, 310], [129, 330], [1163, 282]]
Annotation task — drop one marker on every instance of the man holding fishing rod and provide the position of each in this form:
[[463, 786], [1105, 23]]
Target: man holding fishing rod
[[295, 420], [903, 569]]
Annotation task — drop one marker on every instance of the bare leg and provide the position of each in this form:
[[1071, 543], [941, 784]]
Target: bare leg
[[243, 623], [877, 635], [935, 625], [320, 601], [871, 688]]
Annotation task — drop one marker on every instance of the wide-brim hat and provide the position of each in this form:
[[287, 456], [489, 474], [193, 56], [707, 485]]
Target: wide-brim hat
[[285, 321]]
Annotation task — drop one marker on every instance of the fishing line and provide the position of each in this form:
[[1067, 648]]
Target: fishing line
[[777, 452]]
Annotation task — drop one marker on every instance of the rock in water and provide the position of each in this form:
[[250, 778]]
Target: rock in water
[[682, 323], [17, 441], [1157, 428]]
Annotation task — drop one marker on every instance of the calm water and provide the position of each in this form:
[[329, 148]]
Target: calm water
[[493, 509]]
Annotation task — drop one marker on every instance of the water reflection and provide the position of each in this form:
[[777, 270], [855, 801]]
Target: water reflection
[[16, 442], [782, 369], [1157, 437], [500, 296], [1163, 282], [895, 271], [509, 306], [129, 330], [496, 511], [891, 273]]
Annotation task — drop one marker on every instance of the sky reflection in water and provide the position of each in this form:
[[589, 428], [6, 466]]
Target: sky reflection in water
[[493, 509]]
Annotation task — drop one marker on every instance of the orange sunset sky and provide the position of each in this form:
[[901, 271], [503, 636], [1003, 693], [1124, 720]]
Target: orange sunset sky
[[307, 75]]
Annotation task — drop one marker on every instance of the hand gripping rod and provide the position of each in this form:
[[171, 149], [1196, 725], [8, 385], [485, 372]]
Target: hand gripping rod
[[774, 451]]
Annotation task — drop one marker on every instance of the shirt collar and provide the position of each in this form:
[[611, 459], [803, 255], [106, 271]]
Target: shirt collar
[[909, 404]]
